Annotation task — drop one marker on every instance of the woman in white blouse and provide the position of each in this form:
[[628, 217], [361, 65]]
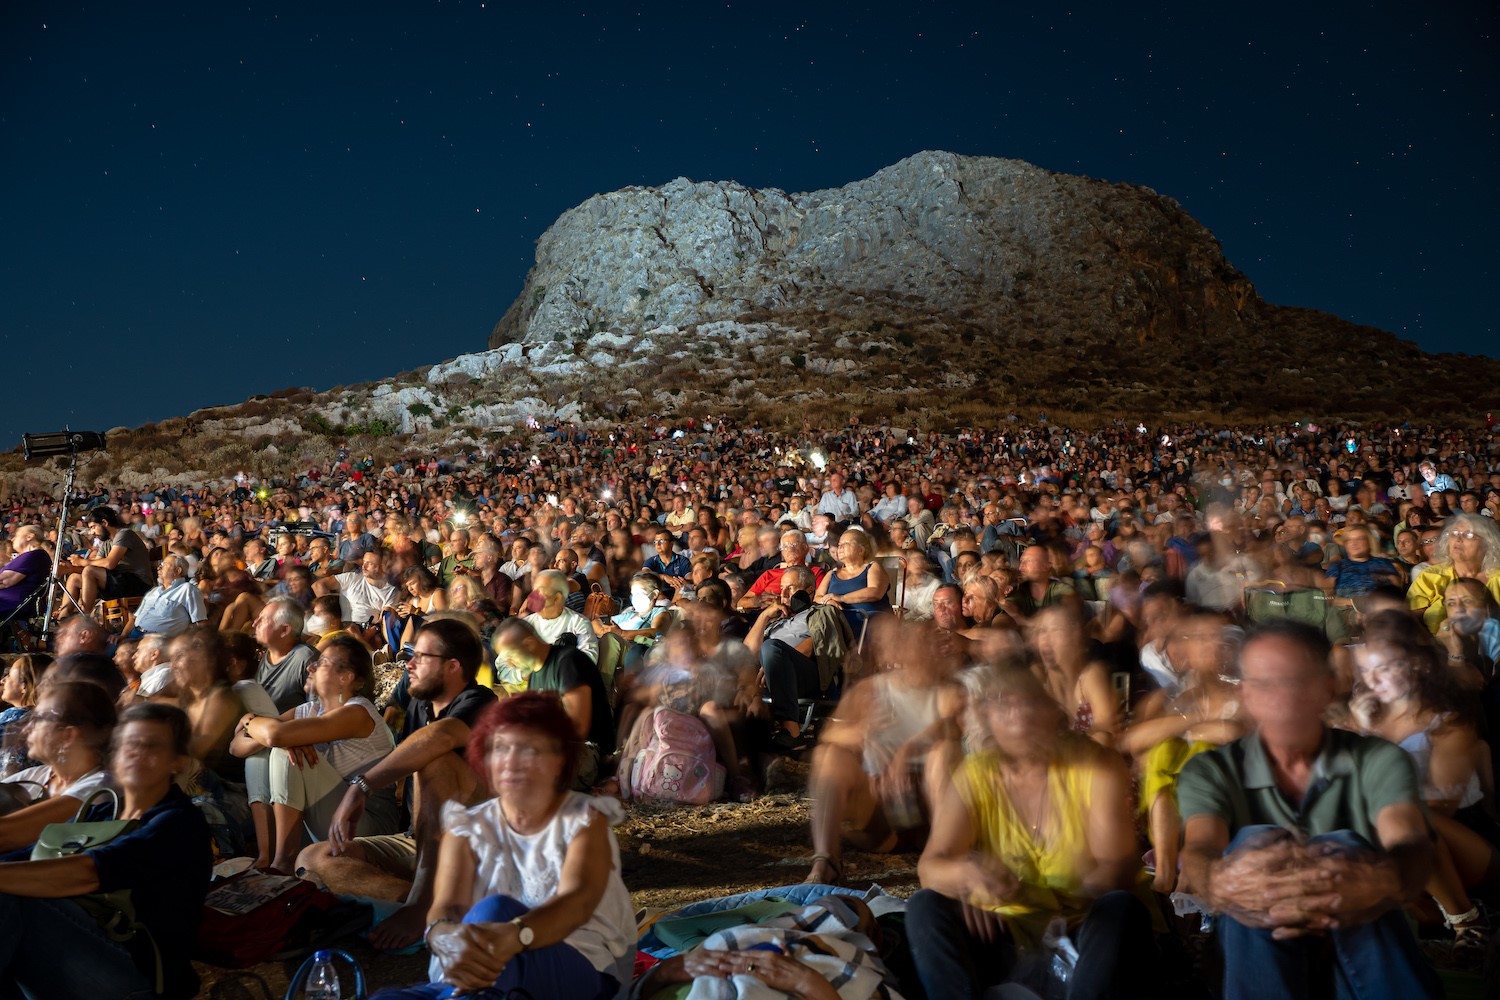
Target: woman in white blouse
[[528, 893], [319, 746]]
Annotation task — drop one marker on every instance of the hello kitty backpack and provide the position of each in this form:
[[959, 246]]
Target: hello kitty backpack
[[676, 763]]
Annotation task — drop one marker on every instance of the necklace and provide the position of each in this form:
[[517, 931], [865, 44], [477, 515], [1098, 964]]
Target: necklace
[[1034, 818]]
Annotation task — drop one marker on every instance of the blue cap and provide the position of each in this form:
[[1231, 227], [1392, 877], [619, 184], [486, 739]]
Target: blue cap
[[323, 956]]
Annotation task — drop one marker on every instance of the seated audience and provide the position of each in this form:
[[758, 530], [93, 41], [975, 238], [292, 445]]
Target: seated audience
[[1034, 828], [317, 746], [445, 703], [529, 897], [1286, 845], [53, 947]]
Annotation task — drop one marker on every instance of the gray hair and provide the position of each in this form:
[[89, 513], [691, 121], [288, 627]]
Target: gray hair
[[178, 563], [286, 611], [551, 581], [1483, 527], [800, 577]]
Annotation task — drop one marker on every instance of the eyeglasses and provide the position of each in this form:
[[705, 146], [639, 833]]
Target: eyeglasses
[[436, 656], [527, 753], [1462, 534]]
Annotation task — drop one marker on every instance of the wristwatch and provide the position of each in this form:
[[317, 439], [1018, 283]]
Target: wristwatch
[[524, 934], [358, 781]]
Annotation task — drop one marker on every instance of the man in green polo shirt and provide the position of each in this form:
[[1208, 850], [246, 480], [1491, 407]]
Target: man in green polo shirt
[[1300, 836]]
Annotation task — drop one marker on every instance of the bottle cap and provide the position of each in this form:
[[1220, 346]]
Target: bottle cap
[[323, 956]]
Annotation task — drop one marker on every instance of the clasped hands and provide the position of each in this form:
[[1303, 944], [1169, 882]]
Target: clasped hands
[[473, 955], [1295, 889]]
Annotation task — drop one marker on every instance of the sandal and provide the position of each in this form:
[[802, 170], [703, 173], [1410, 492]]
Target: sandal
[[785, 742], [741, 790], [833, 866]]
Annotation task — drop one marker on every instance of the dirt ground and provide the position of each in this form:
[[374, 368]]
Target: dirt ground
[[671, 855]]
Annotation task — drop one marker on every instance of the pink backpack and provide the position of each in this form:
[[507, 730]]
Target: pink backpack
[[676, 762]]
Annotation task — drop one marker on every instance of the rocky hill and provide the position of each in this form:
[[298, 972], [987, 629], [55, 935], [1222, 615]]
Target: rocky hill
[[942, 290]]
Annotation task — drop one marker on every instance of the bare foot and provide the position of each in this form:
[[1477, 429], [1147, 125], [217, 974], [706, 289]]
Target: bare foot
[[280, 865], [824, 871], [400, 929]]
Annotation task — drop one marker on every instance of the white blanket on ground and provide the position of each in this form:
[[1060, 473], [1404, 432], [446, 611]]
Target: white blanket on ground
[[817, 936]]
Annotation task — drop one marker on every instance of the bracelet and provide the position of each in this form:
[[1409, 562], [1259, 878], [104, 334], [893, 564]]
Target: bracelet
[[358, 781], [433, 923], [1457, 658]]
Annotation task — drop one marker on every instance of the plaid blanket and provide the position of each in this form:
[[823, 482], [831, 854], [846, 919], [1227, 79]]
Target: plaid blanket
[[823, 936]]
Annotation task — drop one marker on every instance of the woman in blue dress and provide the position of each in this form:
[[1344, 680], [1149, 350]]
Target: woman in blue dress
[[860, 584]]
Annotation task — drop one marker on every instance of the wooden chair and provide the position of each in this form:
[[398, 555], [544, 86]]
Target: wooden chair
[[115, 612]]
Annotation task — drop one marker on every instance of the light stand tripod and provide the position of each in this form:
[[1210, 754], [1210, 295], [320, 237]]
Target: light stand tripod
[[70, 443]]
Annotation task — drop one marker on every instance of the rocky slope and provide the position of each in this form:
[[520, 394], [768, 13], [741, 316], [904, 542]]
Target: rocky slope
[[942, 290]]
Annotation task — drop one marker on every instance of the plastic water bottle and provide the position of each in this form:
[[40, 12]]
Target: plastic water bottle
[[322, 979]]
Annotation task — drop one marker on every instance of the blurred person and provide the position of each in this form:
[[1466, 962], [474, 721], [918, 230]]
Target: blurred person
[[1297, 853], [566, 671], [920, 586], [67, 739], [55, 948], [18, 691], [878, 765], [528, 896], [1039, 588], [1360, 571], [1404, 694], [1073, 675], [1169, 728], [641, 624], [1034, 827]]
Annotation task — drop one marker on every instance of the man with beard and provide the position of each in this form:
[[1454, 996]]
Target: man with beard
[[446, 701]]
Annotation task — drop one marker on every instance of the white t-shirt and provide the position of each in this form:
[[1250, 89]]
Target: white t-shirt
[[528, 868], [551, 629], [154, 681], [80, 789], [360, 600]]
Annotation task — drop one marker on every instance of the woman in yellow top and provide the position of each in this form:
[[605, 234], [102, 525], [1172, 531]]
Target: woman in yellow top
[[1037, 827], [1468, 549]]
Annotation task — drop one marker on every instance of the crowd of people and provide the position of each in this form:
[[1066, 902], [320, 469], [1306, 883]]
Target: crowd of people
[[1097, 679]]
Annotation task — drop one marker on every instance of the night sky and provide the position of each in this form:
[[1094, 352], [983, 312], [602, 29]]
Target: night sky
[[198, 205]]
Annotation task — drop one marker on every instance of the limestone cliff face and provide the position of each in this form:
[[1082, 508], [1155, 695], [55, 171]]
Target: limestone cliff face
[[945, 290], [997, 245]]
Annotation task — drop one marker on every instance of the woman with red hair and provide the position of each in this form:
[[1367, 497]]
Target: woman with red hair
[[528, 893]]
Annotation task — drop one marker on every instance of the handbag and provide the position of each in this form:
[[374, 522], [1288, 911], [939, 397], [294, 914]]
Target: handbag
[[253, 918], [294, 986], [598, 604], [114, 911]]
